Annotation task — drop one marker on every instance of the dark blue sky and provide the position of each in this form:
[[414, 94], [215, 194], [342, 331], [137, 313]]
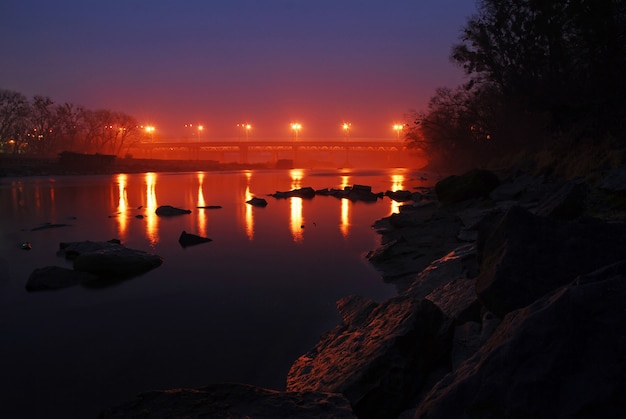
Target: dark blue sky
[[222, 62]]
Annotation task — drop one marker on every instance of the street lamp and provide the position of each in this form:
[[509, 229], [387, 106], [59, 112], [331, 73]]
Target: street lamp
[[245, 128], [296, 126], [150, 131], [346, 128], [398, 128], [200, 129]]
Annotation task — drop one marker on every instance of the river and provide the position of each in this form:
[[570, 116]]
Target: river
[[240, 308]]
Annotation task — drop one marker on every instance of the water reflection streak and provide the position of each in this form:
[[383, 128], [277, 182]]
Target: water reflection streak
[[345, 209], [202, 216], [122, 206], [397, 184], [296, 218], [152, 221]]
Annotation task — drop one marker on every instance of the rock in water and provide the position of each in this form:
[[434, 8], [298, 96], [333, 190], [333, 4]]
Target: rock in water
[[257, 202], [109, 259], [169, 211], [188, 239]]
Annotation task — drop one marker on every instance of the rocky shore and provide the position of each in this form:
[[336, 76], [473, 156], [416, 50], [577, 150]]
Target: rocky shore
[[511, 303]]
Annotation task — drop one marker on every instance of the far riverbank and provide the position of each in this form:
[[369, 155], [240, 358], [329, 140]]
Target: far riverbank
[[18, 166]]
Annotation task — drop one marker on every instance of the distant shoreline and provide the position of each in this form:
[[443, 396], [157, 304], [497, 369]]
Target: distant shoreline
[[20, 166]]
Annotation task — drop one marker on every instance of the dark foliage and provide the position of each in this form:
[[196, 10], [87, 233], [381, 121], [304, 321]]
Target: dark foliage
[[539, 72]]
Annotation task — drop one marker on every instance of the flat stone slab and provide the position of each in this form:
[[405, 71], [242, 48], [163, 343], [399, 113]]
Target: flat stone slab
[[221, 401]]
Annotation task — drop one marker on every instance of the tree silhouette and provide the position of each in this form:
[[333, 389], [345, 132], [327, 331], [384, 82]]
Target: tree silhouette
[[566, 58]]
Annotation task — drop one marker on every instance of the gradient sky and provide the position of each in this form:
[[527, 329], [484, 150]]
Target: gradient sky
[[222, 62]]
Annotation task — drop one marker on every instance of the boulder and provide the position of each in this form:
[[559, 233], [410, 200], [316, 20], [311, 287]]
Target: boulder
[[565, 201], [400, 196], [523, 256], [56, 277], [378, 358], [226, 401], [188, 239], [362, 193], [412, 240], [257, 202], [73, 249], [615, 181], [562, 356], [109, 259], [514, 188], [306, 192], [170, 211], [476, 183]]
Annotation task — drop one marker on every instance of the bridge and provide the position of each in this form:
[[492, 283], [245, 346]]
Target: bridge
[[331, 152]]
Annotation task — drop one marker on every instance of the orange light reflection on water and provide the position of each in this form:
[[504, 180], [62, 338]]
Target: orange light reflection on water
[[122, 206], [397, 184], [297, 220], [202, 216], [152, 221], [249, 218], [345, 209]]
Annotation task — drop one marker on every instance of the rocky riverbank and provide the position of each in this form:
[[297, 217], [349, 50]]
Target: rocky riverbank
[[511, 291]]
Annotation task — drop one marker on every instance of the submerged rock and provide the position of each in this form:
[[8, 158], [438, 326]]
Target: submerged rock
[[227, 401], [47, 226], [170, 211], [56, 277]]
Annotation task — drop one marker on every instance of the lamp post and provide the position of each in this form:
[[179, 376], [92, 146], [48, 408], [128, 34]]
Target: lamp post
[[346, 129], [296, 127], [150, 131], [398, 128], [243, 128], [200, 129]]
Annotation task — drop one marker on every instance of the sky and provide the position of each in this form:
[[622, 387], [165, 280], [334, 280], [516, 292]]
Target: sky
[[219, 63]]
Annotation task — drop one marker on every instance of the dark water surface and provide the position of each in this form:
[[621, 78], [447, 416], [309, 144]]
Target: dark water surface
[[241, 308]]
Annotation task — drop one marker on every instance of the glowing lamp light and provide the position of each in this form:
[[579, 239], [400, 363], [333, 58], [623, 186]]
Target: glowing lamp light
[[398, 128], [296, 126]]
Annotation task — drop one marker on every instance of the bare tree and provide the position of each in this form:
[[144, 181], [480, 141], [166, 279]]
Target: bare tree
[[14, 112], [70, 126], [44, 129]]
